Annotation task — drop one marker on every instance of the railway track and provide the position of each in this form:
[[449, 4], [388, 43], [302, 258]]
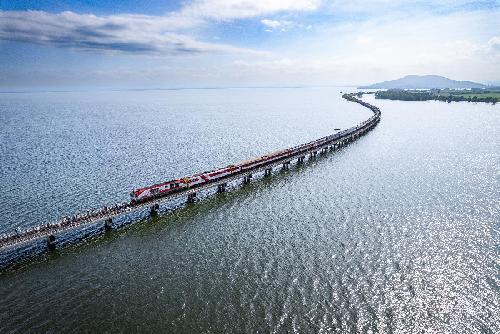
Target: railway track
[[107, 214]]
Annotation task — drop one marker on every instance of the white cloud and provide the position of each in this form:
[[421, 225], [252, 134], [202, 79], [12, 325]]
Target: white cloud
[[139, 33], [238, 9], [372, 6], [281, 25], [462, 45], [276, 64], [493, 47], [116, 33]]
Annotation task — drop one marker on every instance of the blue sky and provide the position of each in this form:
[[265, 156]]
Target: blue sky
[[198, 43]]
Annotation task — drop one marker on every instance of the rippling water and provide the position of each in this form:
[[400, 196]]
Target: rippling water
[[397, 232]]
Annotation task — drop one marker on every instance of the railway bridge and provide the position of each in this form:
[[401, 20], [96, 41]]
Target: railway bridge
[[108, 213]]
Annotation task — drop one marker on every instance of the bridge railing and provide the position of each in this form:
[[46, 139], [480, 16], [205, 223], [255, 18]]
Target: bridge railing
[[107, 213]]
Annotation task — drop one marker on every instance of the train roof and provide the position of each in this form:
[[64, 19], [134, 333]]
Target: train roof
[[260, 157]]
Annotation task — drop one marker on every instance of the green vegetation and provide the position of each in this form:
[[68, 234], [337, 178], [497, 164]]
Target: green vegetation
[[445, 95], [490, 94]]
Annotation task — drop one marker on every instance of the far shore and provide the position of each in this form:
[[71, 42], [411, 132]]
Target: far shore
[[444, 95]]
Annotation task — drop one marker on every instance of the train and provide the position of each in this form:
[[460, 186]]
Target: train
[[178, 185]]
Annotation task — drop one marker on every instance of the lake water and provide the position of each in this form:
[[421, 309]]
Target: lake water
[[397, 232]]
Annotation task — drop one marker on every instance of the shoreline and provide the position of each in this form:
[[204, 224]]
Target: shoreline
[[446, 95]]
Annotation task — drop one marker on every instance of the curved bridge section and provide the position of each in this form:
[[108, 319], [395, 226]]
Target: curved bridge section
[[151, 197]]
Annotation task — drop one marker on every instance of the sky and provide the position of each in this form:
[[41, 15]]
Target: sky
[[128, 44]]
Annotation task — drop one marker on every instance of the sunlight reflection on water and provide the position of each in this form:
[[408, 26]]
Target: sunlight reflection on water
[[397, 232]]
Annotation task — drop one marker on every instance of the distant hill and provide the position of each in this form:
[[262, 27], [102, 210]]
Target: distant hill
[[423, 82]]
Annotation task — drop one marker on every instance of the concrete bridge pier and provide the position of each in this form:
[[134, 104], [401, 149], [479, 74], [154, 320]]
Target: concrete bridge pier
[[191, 198], [108, 224], [247, 178], [221, 187], [49, 233], [154, 210], [51, 242]]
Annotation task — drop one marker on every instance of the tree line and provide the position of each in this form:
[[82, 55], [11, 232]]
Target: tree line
[[427, 95]]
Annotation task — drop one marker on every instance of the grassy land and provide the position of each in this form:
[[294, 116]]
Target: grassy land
[[447, 95], [490, 94]]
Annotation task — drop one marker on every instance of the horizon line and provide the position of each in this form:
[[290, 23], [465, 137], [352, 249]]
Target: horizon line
[[21, 91]]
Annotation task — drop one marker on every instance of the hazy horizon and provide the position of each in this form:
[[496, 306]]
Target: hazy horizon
[[84, 45]]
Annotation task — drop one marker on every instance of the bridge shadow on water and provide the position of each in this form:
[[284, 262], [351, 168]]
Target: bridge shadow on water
[[171, 215]]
